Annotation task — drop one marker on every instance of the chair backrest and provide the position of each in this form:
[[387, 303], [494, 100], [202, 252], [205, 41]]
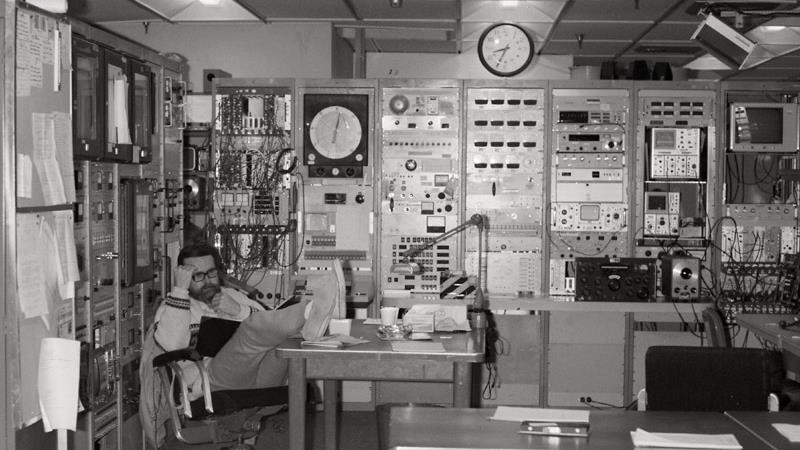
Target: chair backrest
[[709, 378], [715, 328]]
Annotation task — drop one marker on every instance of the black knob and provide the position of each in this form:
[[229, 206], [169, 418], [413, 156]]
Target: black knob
[[359, 198], [613, 284], [686, 273]]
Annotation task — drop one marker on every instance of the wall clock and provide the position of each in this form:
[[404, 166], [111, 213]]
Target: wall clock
[[505, 49], [336, 134]]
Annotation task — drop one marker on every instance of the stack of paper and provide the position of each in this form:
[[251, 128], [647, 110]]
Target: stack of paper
[[417, 347], [334, 341], [789, 431], [642, 438], [521, 414]]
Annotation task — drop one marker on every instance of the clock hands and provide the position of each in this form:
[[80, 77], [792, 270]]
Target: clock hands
[[503, 50], [336, 127]]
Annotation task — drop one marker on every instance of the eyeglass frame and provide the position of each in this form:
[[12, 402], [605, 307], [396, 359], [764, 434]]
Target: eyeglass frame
[[210, 273]]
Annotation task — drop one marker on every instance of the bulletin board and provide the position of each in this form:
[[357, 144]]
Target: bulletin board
[[43, 105], [47, 270]]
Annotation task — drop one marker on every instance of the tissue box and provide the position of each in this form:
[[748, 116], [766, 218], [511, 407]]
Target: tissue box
[[422, 323]]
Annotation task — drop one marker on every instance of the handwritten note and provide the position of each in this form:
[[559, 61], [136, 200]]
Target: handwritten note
[[30, 276], [24, 176], [59, 362]]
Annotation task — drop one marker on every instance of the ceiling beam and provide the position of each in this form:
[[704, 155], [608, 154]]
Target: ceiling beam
[[564, 8], [352, 9], [252, 11], [149, 8], [655, 23]]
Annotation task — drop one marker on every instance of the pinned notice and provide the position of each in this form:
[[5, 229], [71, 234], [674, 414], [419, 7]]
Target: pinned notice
[[59, 362]]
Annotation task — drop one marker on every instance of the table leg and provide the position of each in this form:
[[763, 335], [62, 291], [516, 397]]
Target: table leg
[[332, 391], [462, 385], [297, 404]]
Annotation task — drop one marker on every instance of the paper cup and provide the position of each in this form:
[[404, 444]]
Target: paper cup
[[389, 315], [340, 326]]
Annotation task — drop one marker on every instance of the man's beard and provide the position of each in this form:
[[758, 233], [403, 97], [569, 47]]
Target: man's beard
[[207, 293]]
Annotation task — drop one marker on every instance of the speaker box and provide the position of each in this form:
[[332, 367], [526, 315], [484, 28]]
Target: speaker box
[[722, 41], [680, 278], [194, 193], [608, 70]]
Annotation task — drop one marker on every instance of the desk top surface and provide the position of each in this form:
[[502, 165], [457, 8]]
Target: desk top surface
[[418, 428], [761, 424], [459, 347], [767, 327]]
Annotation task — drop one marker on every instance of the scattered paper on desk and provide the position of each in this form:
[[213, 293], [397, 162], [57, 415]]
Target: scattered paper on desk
[[789, 431], [334, 341], [521, 414], [445, 317], [414, 346], [642, 438]]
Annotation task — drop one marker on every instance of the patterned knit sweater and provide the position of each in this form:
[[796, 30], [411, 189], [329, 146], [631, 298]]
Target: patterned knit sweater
[[178, 321]]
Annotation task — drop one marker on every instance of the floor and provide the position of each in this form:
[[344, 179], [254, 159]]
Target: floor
[[358, 431]]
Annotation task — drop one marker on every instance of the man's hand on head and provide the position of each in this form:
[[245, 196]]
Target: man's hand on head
[[225, 305], [183, 276]]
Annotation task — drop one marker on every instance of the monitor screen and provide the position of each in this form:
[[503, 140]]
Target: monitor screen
[[759, 125], [657, 202], [664, 139]]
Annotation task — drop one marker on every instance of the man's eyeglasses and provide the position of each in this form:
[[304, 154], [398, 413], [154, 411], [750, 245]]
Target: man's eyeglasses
[[200, 276]]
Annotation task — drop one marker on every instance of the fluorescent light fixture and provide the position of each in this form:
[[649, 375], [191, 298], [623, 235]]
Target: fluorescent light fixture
[[773, 27], [210, 2], [509, 3]]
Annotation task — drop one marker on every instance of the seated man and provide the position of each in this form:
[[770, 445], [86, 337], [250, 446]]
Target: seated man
[[247, 360]]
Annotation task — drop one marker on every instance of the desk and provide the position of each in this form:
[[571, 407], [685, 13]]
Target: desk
[[760, 424], [419, 428], [374, 361], [766, 327]]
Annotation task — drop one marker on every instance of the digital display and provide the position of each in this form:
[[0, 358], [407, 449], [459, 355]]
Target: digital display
[[759, 125], [584, 138], [573, 117]]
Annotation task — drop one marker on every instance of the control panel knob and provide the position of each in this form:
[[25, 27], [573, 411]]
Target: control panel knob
[[411, 165], [360, 198]]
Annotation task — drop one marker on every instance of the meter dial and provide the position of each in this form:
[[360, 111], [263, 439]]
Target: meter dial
[[335, 132]]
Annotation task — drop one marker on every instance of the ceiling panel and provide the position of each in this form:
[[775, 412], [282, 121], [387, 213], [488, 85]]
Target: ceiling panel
[[599, 30], [623, 10], [106, 11], [608, 27], [671, 31], [299, 9], [524, 11], [472, 31], [411, 9], [608, 48]]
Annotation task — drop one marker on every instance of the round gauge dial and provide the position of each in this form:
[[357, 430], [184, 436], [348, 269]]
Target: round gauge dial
[[505, 49], [335, 132]]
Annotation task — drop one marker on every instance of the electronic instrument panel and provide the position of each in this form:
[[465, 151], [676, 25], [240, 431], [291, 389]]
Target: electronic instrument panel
[[589, 198], [420, 187]]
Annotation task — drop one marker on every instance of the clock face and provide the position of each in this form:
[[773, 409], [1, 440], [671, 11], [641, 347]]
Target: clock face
[[505, 49], [335, 132]]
